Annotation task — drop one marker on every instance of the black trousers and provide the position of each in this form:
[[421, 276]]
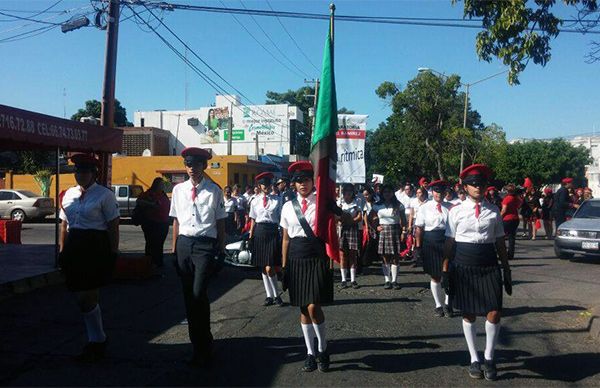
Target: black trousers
[[195, 262], [559, 218], [155, 234], [510, 230]]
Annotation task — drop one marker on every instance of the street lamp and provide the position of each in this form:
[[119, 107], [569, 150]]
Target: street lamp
[[467, 86]]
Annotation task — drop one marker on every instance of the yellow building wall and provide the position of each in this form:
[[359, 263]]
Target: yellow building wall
[[141, 170]]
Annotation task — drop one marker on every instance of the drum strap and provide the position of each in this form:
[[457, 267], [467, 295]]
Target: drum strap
[[317, 243]]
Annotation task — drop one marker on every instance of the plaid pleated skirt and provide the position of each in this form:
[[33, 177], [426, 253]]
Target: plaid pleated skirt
[[266, 245], [349, 239], [433, 252], [308, 277], [475, 279], [389, 240]]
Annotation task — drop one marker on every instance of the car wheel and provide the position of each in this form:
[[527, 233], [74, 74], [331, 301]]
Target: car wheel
[[562, 254], [18, 215]]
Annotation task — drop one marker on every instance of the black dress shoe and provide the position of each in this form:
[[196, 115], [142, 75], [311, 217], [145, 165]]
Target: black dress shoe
[[92, 352], [397, 286], [323, 361], [448, 312], [387, 286], [268, 301], [489, 370], [439, 312], [310, 364], [475, 370], [343, 285], [278, 301], [355, 285]]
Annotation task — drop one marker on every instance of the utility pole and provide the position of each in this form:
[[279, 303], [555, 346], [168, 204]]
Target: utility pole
[[462, 147], [230, 132], [256, 145], [107, 117]]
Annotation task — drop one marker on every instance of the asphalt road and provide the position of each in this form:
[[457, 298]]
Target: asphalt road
[[377, 337]]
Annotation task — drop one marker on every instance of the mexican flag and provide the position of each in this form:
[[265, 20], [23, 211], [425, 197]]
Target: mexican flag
[[323, 153]]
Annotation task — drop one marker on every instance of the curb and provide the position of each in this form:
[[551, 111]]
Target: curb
[[594, 324], [29, 284]]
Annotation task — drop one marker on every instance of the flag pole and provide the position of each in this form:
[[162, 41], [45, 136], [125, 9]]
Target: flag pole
[[331, 14]]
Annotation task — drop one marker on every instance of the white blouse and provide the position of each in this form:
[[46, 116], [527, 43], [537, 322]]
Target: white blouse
[[463, 226], [270, 213], [430, 218], [387, 215], [289, 219], [92, 209]]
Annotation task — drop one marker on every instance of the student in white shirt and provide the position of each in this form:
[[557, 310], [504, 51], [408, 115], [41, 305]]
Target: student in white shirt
[[89, 244], [265, 214], [391, 217], [370, 227], [476, 233], [306, 266], [421, 198], [430, 229], [231, 206], [198, 236], [350, 239]]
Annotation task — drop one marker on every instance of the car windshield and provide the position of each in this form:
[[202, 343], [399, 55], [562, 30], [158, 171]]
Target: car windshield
[[27, 193], [589, 209]]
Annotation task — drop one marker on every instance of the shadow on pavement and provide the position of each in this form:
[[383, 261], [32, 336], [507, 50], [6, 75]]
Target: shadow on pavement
[[514, 311]]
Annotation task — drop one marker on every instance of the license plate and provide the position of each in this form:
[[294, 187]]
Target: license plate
[[589, 245]]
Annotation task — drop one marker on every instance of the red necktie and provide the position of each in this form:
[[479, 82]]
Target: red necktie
[[194, 193], [439, 207], [265, 201], [304, 205], [477, 210]]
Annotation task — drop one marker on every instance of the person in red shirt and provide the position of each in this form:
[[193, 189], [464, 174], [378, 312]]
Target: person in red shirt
[[510, 217], [155, 206]]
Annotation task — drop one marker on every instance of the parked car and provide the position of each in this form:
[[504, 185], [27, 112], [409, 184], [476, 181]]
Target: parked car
[[581, 234], [126, 196], [21, 205]]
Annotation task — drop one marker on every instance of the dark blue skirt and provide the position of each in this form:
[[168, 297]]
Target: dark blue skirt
[[309, 279], [433, 252], [475, 279], [266, 245]]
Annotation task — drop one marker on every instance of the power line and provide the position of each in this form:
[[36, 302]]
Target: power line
[[28, 34], [410, 21], [273, 43], [293, 40], [66, 11], [36, 13], [262, 45]]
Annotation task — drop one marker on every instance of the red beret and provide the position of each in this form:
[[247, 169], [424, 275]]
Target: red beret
[[567, 180], [490, 188], [423, 181], [85, 159], [528, 183], [439, 182], [303, 165], [548, 190], [198, 152], [476, 169], [264, 175]]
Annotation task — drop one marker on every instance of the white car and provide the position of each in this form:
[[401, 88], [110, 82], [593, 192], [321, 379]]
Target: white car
[[21, 205], [581, 234]]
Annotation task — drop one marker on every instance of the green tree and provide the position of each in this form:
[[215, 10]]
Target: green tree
[[93, 108], [518, 31], [427, 113]]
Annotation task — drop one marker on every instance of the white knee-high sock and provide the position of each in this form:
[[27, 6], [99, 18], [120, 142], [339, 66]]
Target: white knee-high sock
[[436, 291], [320, 332], [386, 271], [267, 285], [309, 337], [491, 339], [344, 272], [447, 300], [353, 274], [274, 285], [471, 335], [93, 325], [394, 273]]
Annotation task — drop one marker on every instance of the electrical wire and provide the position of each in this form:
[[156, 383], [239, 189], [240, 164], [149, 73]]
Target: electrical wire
[[275, 44], [36, 13], [66, 11], [262, 45], [28, 34], [292, 39]]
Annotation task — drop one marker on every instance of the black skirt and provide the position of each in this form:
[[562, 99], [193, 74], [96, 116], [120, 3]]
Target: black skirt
[[349, 238], [309, 279], [433, 252], [86, 259], [389, 240], [475, 279], [266, 245]]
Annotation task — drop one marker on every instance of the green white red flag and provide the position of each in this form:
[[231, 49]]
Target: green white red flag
[[323, 154]]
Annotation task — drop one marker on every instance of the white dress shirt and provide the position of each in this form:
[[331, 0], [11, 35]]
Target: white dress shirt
[[289, 219], [407, 202], [197, 218], [430, 218], [241, 203], [387, 215], [353, 208], [463, 226], [415, 205], [271, 213], [231, 204], [94, 211]]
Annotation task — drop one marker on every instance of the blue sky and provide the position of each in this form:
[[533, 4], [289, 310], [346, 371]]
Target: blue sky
[[560, 99]]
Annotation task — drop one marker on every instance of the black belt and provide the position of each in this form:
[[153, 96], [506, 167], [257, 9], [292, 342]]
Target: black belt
[[435, 235], [201, 239], [482, 255], [302, 247]]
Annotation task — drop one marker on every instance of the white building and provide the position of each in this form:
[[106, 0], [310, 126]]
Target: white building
[[592, 172], [208, 127]]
